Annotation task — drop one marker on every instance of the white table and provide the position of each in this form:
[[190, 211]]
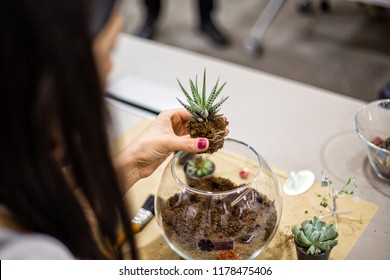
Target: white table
[[294, 126]]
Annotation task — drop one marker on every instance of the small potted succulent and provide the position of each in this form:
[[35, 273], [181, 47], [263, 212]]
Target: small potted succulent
[[199, 167], [314, 240], [205, 121]]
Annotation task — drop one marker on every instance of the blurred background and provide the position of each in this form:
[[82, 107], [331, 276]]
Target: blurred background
[[344, 48]]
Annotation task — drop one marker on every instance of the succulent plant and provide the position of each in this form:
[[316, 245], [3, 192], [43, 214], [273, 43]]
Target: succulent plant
[[315, 235], [199, 166], [201, 106], [205, 121]]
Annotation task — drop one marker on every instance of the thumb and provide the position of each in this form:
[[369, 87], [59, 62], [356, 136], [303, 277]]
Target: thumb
[[193, 145]]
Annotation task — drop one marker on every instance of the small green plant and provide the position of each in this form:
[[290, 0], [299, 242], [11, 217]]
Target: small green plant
[[315, 235], [199, 166], [199, 105], [205, 121], [337, 194]]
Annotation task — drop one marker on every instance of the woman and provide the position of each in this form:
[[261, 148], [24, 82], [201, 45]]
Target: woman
[[55, 163]]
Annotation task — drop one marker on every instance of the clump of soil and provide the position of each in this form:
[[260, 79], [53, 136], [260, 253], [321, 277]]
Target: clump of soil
[[213, 130], [228, 255], [209, 227], [212, 184]]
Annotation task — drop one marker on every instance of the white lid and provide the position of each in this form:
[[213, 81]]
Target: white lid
[[299, 182]]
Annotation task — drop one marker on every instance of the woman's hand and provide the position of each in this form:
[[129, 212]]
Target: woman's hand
[[166, 134]]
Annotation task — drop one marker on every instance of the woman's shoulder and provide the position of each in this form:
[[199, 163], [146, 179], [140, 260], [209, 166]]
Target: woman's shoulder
[[16, 245]]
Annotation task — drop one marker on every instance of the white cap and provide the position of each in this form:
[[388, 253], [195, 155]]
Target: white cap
[[299, 182]]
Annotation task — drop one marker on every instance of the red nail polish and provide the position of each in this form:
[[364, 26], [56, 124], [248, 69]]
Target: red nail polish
[[202, 143]]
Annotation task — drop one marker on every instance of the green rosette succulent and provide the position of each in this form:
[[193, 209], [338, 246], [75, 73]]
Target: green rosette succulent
[[315, 235], [199, 166]]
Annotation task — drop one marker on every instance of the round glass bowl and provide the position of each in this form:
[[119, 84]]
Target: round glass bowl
[[372, 124], [232, 214]]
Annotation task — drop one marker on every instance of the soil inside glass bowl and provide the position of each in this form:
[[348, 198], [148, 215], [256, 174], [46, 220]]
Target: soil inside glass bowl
[[232, 226]]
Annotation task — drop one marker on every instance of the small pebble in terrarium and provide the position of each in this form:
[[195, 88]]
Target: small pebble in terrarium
[[382, 158], [384, 144], [244, 173], [377, 141]]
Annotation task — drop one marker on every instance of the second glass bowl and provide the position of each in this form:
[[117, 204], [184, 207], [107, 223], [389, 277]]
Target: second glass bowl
[[372, 125]]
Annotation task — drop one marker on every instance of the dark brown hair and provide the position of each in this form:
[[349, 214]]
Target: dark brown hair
[[50, 86]]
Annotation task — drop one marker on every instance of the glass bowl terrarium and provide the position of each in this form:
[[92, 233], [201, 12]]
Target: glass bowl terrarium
[[372, 125], [232, 213]]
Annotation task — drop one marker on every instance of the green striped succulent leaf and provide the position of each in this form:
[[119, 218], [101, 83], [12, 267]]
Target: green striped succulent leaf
[[202, 107]]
